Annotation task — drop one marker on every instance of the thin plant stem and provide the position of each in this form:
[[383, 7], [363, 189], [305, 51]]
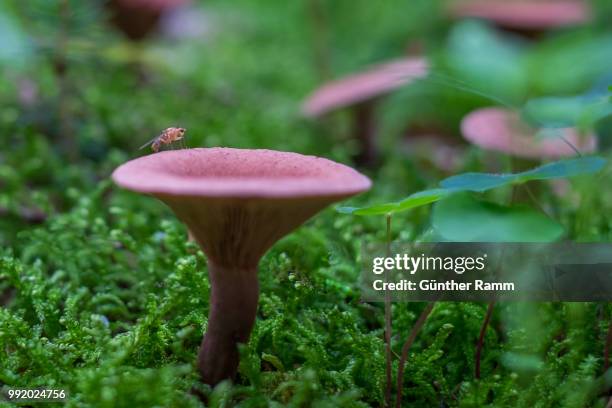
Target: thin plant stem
[[534, 199], [320, 38], [60, 65], [480, 344], [607, 348], [607, 360], [571, 146], [488, 314], [364, 129], [406, 348], [388, 351]]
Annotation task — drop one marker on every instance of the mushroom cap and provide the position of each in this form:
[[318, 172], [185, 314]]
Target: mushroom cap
[[138, 18], [155, 5], [239, 173], [502, 130], [525, 15], [239, 202], [364, 86]]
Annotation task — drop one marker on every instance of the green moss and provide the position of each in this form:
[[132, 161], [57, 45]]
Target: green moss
[[103, 295]]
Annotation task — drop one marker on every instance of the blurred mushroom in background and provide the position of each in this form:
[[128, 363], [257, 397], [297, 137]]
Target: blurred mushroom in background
[[530, 18], [360, 93], [503, 131], [137, 19]]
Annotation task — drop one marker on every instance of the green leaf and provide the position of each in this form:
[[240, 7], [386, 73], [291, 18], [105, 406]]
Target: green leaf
[[553, 63], [422, 198], [481, 182], [275, 361], [563, 168], [555, 112], [15, 48], [377, 209], [347, 210], [477, 55], [581, 111], [521, 362], [477, 181], [412, 201], [462, 218]]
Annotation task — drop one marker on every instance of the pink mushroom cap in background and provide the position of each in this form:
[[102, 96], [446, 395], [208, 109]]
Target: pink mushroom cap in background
[[137, 19], [502, 130], [155, 5], [527, 15], [377, 81]]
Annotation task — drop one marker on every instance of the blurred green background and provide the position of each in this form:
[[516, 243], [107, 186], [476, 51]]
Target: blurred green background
[[102, 294]]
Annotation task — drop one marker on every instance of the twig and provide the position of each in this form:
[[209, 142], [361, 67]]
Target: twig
[[607, 360], [406, 348], [571, 145], [388, 350], [480, 344], [490, 307], [534, 199], [30, 215], [60, 66], [607, 348]]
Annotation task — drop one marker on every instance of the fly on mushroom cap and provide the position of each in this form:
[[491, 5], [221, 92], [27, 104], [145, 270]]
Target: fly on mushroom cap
[[237, 204], [169, 135]]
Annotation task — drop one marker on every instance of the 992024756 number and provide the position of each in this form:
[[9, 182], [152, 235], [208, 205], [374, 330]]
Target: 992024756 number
[[35, 394]]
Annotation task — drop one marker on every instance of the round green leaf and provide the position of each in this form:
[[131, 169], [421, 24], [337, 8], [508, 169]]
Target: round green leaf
[[462, 218], [555, 112]]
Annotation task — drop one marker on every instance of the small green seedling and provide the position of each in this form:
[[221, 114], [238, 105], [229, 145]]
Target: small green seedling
[[481, 182], [412, 201]]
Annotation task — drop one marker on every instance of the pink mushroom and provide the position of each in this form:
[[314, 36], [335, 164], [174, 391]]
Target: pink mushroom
[[361, 91], [237, 203], [137, 18], [528, 17], [502, 130]]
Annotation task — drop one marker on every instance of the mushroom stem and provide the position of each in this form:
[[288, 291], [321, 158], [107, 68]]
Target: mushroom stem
[[233, 308], [365, 130]]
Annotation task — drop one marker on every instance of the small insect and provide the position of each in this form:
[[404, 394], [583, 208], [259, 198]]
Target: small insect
[[168, 136]]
